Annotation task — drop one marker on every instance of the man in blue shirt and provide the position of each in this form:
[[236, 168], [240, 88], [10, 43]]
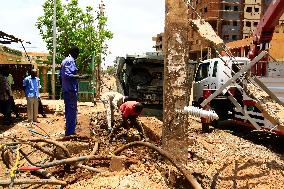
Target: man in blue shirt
[[68, 74], [31, 86]]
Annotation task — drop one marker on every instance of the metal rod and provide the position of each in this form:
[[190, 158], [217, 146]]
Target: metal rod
[[54, 52], [32, 181]]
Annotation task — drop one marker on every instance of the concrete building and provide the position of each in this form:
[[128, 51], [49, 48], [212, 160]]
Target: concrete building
[[19, 65], [232, 20], [224, 16], [252, 15], [159, 42], [16, 63]]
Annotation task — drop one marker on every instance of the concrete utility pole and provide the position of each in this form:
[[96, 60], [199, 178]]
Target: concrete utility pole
[[176, 82], [54, 52]]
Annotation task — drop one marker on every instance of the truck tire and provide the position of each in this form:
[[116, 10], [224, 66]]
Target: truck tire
[[205, 127]]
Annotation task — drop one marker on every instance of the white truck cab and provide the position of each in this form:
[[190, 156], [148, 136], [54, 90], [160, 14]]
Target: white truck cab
[[213, 73]]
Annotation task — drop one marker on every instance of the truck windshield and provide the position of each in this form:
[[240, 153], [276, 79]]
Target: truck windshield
[[202, 71]]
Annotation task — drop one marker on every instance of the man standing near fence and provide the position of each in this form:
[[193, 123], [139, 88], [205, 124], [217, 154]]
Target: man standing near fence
[[69, 76], [31, 86]]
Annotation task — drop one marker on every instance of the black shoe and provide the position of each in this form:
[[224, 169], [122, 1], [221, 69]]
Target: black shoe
[[44, 115], [7, 123]]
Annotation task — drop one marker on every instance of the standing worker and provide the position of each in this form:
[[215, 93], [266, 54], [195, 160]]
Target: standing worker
[[31, 86], [41, 108], [14, 107], [68, 75], [5, 91], [111, 101], [130, 111]]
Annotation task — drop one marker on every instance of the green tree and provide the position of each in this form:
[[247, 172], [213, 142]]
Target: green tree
[[111, 70], [75, 27]]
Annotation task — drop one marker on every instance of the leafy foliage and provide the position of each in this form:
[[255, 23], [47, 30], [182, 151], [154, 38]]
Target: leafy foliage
[[111, 70], [74, 27]]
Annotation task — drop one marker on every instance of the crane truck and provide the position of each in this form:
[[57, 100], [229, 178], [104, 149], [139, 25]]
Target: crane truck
[[234, 88]]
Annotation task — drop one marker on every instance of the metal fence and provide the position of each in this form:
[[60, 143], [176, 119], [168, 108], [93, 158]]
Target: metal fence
[[86, 91]]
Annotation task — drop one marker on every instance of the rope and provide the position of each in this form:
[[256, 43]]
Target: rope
[[13, 169], [2, 146]]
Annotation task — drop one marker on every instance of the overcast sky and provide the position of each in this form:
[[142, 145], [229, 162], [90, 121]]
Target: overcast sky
[[133, 22]]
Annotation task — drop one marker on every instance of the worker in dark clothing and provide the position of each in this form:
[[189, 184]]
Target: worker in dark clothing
[[130, 111], [13, 105], [5, 92], [41, 108]]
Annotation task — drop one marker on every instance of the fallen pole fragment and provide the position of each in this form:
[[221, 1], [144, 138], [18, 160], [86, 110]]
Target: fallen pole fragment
[[74, 160], [89, 168], [36, 132], [164, 153], [32, 181]]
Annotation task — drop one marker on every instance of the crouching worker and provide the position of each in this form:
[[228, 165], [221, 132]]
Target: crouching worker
[[130, 111], [111, 101]]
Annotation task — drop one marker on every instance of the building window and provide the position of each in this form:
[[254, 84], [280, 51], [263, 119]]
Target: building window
[[248, 24], [215, 69], [226, 23], [202, 71], [236, 8], [249, 9], [235, 23], [226, 37], [256, 9], [234, 37], [227, 7], [255, 24], [205, 9]]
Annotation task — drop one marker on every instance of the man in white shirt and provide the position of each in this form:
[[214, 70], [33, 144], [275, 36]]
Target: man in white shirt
[[112, 101]]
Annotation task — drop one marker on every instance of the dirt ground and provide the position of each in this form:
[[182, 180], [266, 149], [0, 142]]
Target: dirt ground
[[227, 157], [220, 159]]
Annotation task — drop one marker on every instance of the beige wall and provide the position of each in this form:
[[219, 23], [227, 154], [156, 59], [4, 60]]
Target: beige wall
[[277, 44], [252, 14]]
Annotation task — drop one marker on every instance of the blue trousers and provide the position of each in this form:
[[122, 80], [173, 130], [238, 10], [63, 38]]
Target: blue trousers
[[70, 101]]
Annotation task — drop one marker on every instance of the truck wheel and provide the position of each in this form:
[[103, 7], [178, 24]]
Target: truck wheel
[[205, 127]]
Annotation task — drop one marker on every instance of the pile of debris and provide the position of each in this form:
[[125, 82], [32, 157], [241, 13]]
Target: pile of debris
[[270, 108], [222, 160]]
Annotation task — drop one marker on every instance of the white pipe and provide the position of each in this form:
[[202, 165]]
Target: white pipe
[[198, 112]]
